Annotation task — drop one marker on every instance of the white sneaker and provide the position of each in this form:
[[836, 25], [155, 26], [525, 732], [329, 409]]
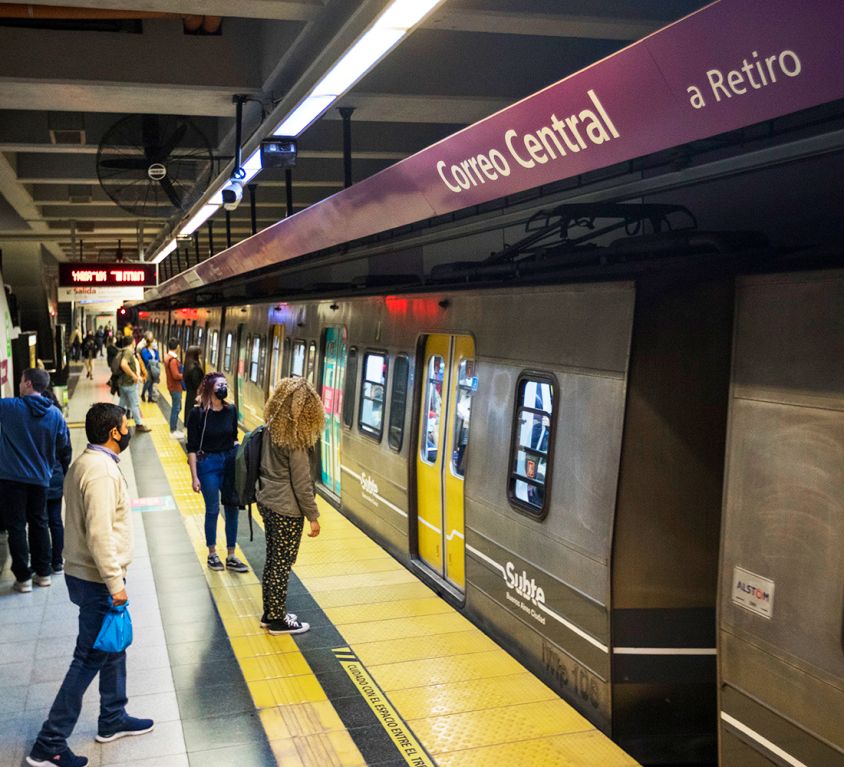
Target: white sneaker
[[24, 587], [42, 580], [177, 434]]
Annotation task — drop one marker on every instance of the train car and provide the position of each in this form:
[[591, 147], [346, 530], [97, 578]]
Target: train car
[[7, 379]]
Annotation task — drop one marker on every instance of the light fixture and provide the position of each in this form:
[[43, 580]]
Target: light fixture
[[205, 212], [164, 252]]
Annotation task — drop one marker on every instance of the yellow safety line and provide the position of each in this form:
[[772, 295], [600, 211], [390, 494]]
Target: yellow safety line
[[302, 726]]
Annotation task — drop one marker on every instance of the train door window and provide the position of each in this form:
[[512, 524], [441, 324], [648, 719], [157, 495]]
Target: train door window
[[200, 333], [286, 355], [467, 383], [227, 354], [262, 362], [371, 418], [297, 365], [398, 402], [333, 370], [275, 355], [532, 441], [312, 356], [215, 348], [254, 359], [433, 408], [349, 387]]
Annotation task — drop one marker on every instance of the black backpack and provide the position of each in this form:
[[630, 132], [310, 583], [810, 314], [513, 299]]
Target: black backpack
[[247, 470]]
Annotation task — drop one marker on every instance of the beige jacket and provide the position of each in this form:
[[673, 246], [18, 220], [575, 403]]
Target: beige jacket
[[98, 527], [285, 484]]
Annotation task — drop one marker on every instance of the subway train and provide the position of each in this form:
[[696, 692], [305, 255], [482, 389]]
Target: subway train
[[623, 459]]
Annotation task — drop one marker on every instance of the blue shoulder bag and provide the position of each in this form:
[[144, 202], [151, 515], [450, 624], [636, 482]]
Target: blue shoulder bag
[[116, 632]]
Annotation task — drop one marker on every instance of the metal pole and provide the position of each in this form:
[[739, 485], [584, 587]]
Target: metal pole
[[288, 183], [179, 259], [346, 114], [228, 229], [195, 246], [253, 207], [238, 129], [210, 238]]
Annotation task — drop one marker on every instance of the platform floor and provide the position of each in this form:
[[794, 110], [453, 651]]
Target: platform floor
[[389, 674]]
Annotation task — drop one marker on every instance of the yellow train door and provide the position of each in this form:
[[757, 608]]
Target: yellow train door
[[448, 382]]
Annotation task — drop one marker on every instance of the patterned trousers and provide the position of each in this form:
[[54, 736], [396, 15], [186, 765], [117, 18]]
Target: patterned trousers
[[283, 537]]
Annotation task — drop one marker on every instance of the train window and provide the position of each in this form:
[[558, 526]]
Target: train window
[[262, 363], [532, 439], [227, 354], [275, 360], [215, 350], [297, 366], [467, 382], [311, 376], [254, 359], [371, 418], [398, 402], [349, 387], [200, 332], [433, 408]]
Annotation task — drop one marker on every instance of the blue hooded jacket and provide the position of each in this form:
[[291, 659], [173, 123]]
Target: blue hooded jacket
[[32, 430]]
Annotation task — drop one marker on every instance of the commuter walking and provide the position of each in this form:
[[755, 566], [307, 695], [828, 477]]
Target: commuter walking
[[98, 553], [111, 350], [55, 493], [99, 338], [75, 344], [89, 350], [175, 385], [127, 381], [285, 492], [32, 432], [211, 447], [194, 371]]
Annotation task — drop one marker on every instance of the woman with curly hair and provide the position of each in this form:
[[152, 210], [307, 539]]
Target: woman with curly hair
[[212, 446], [285, 492]]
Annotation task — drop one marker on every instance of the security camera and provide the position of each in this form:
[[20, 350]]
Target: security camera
[[232, 194]]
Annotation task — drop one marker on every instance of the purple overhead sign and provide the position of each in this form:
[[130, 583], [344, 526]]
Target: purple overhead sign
[[731, 64]]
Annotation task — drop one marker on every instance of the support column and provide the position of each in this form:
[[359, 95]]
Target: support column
[[253, 210], [346, 114], [228, 229], [196, 245], [210, 238], [288, 183]]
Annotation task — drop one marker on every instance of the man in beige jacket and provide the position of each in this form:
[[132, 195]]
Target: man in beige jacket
[[98, 549]]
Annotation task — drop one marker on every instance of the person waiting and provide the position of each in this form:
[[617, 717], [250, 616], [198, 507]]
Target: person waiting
[[128, 379], [175, 385]]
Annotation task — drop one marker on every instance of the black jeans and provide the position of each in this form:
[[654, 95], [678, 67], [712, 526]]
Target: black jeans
[[26, 505], [54, 519]]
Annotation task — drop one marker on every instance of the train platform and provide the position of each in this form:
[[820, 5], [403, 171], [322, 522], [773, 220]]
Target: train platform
[[388, 675]]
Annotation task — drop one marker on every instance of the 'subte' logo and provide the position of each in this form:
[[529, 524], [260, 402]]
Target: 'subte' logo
[[525, 587], [368, 485]]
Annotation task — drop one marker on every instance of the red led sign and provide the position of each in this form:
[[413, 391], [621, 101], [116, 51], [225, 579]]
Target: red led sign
[[107, 275]]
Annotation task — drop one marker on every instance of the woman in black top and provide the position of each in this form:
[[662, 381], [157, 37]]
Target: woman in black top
[[211, 446], [193, 373]]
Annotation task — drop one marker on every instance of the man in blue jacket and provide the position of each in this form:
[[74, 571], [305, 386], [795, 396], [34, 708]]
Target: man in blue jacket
[[31, 431]]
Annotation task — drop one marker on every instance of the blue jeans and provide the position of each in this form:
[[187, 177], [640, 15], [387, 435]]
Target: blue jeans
[[93, 601], [129, 400], [146, 391], [216, 473], [175, 409]]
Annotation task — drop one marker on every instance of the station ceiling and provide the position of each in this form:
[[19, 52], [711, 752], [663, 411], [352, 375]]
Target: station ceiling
[[69, 74]]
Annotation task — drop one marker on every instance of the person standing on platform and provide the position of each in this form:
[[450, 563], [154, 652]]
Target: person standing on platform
[[98, 553], [128, 379], [89, 350], [55, 493], [211, 447], [99, 338], [75, 344], [111, 350], [175, 385], [32, 432], [193, 372], [285, 492], [152, 366]]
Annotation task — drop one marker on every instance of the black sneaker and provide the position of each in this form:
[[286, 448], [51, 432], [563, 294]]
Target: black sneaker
[[214, 562], [233, 563], [288, 625], [265, 621], [129, 726], [58, 567], [66, 758]]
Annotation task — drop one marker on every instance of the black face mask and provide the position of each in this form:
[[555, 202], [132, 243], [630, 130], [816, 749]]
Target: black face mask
[[123, 442], [221, 393]]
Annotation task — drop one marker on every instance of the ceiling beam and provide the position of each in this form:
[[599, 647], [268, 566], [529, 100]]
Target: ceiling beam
[[401, 108], [278, 10], [539, 24]]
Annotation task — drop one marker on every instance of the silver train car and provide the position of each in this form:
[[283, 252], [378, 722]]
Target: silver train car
[[635, 485]]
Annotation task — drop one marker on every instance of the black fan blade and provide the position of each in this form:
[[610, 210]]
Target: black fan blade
[[174, 141], [126, 163], [170, 191], [151, 137]]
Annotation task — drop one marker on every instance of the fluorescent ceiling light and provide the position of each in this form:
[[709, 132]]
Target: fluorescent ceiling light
[[304, 114], [358, 60], [252, 167], [403, 14], [205, 212], [164, 252]]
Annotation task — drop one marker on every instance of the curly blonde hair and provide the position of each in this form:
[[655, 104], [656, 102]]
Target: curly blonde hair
[[294, 414]]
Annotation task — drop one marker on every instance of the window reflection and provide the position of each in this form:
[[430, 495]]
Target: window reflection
[[467, 383]]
